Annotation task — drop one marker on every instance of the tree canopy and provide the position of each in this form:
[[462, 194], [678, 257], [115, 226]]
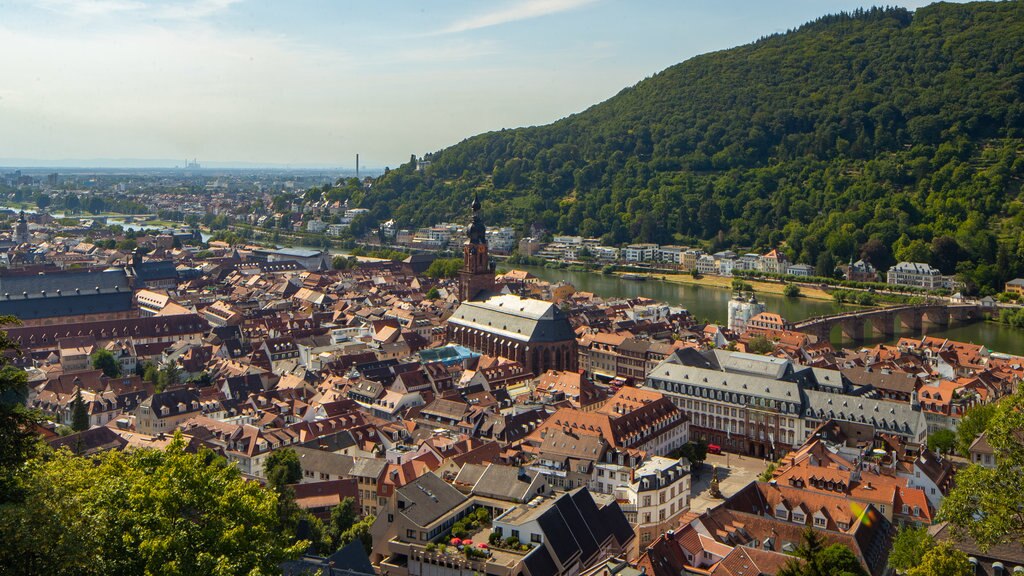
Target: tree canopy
[[141, 512], [984, 505], [104, 360], [878, 133]]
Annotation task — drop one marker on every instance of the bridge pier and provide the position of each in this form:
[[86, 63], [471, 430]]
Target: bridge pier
[[883, 326], [938, 317], [911, 320], [853, 329], [963, 314]]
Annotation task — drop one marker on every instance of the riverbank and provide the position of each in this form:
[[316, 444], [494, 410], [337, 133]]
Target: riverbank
[[760, 287]]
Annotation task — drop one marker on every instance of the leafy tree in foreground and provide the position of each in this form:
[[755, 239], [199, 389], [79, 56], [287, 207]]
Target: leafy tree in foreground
[[985, 503], [141, 512], [909, 547], [282, 467], [104, 360], [18, 441], [974, 422], [943, 560], [942, 441]]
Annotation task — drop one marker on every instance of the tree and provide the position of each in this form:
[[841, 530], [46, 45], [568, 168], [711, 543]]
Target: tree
[[18, 440], [696, 451], [973, 423], [814, 558], [104, 360], [167, 376], [444, 268], [943, 560], [142, 512], [282, 467], [769, 472], [433, 293], [150, 373], [826, 264], [760, 345], [42, 201], [909, 546], [79, 413], [984, 505], [359, 531], [942, 441], [343, 518], [791, 291]]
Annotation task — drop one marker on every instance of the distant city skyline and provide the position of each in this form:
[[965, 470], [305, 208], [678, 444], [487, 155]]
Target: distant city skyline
[[312, 83]]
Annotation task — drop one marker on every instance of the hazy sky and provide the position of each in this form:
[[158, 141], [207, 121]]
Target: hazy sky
[[315, 82]]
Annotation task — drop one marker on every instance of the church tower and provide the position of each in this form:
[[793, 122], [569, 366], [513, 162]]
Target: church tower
[[21, 235], [477, 274]]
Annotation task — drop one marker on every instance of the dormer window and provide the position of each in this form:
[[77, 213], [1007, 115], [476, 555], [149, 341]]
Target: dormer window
[[781, 512]]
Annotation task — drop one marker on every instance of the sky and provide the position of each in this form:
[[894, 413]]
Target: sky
[[314, 82]]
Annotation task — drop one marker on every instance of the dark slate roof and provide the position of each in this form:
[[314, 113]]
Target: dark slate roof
[[171, 399], [352, 558], [64, 281], [558, 534], [539, 562], [588, 545], [155, 270], [427, 498], [523, 319], [591, 514], [86, 442], [615, 519], [52, 306]]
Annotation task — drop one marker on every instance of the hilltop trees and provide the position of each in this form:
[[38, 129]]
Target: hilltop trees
[[877, 134]]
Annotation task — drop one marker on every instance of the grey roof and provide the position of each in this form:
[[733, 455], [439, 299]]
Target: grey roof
[[470, 473], [755, 364], [428, 498], [735, 383], [368, 467], [295, 252], [523, 319], [65, 294], [886, 416], [323, 461], [503, 482]]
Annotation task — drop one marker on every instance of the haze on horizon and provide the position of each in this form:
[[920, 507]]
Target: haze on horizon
[[313, 82]]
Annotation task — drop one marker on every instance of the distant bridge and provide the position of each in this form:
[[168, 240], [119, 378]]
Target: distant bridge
[[883, 320]]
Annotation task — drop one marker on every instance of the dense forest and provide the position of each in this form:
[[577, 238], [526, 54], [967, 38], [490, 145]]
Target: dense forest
[[879, 133]]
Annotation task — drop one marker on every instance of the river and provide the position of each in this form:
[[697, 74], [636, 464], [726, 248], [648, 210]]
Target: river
[[710, 303]]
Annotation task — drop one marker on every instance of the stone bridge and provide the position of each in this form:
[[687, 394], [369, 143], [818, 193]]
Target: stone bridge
[[883, 320]]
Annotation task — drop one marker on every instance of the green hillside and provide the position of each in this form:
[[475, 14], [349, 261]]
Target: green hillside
[[884, 133]]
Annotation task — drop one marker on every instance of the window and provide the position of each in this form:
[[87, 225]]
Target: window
[[535, 538], [819, 521], [410, 534], [515, 534]]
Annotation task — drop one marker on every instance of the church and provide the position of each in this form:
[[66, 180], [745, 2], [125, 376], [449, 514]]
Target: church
[[535, 333]]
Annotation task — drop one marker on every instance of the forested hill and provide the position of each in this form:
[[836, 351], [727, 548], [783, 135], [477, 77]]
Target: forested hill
[[895, 134]]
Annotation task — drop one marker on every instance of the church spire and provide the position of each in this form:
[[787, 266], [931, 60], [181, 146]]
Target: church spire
[[477, 274], [477, 232]]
